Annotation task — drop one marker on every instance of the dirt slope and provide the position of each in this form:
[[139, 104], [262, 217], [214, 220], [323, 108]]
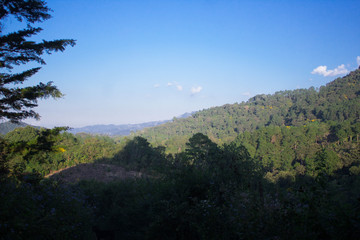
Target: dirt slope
[[93, 171]]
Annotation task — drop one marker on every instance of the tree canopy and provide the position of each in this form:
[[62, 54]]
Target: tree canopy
[[338, 101]]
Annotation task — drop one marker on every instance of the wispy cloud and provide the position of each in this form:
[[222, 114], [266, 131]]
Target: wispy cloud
[[195, 90], [358, 60], [156, 85], [322, 70], [177, 85]]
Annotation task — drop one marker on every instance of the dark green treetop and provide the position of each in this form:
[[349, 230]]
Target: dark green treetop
[[17, 102]]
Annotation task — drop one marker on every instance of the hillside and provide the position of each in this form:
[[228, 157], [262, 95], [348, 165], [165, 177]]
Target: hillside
[[337, 101], [91, 171], [114, 130], [294, 162], [120, 130], [6, 127]]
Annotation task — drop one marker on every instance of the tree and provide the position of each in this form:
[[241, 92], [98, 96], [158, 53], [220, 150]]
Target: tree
[[326, 162], [201, 150], [16, 103]]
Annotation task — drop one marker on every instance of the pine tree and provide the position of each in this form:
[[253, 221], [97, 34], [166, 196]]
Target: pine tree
[[16, 102]]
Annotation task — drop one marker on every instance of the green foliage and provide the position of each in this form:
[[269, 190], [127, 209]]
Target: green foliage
[[226, 197], [326, 162], [43, 211], [338, 102], [201, 151], [122, 209], [39, 151], [192, 200], [275, 167], [295, 149], [137, 154], [205, 192]]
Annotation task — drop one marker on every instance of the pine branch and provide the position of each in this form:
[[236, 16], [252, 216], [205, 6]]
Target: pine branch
[[30, 10], [14, 101], [16, 48], [18, 78]]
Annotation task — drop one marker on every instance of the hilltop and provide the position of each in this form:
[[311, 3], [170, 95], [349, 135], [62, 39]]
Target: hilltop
[[6, 127]]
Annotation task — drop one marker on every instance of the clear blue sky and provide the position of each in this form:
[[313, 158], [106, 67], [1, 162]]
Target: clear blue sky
[[138, 61]]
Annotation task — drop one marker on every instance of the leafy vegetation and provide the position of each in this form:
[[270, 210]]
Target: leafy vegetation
[[295, 175], [281, 166], [40, 151], [205, 192], [43, 211], [338, 101]]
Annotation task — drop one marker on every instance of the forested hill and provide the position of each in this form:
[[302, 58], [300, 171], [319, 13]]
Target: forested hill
[[337, 101], [114, 130], [6, 127], [123, 129]]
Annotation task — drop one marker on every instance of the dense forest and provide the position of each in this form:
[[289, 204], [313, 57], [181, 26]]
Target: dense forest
[[336, 102], [280, 166]]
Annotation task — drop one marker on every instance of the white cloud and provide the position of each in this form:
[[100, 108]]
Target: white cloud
[[175, 84], [156, 85], [358, 60], [322, 70], [195, 90]]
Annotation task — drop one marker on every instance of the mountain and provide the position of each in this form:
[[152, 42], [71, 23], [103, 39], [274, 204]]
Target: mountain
[[9, 126], [338, 101], [123, 129], [113, 130]]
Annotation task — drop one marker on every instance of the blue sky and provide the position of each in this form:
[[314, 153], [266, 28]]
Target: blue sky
[[138, 61]]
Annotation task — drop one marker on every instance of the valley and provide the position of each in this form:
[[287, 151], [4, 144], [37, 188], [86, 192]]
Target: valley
[[275, 166], [289, 158]]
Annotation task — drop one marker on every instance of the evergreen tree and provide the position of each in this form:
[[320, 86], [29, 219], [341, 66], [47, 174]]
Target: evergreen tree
[[201, 150], [16, 102]]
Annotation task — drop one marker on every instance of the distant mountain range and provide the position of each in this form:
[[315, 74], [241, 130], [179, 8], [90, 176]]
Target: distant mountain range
[[111, 129], [123, 129]]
